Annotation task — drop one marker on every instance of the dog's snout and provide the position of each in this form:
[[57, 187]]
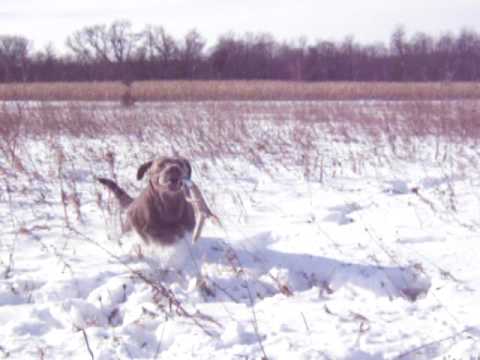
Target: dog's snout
[[174, 180]]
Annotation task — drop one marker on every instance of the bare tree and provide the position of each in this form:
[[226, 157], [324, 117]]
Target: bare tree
[[14, 51], [445, 57], [116, 43], [399, 51], [116, 52], [45, 64], [160, 49], [468, 52], [420, 67], [262, 50], [159, 44], [109, 47], [291, 60], [123, 42], [191, 54], [90, 44], [227, 58]]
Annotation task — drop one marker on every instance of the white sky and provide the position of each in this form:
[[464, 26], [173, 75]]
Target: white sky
[[46, 21]]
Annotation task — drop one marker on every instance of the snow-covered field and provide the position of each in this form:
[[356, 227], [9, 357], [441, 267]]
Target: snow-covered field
[[338, 242]]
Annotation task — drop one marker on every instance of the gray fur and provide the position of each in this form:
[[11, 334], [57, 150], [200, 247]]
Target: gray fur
[[161, 213]]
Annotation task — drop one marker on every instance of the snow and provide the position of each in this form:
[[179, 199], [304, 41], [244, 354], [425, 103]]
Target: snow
[[376, 260]]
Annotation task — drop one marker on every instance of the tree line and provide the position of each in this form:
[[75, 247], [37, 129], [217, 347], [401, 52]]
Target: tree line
[[116, 52]]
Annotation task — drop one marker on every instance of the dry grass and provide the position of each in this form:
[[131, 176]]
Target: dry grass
[[62, 91], [299, 136], [239, 90], [317, 141], [232, 121]]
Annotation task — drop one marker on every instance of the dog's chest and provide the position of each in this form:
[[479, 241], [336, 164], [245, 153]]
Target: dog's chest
[[170, 210], [161, 219]]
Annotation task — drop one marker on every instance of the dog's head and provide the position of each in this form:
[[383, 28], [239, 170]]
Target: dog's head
[[167, 173]]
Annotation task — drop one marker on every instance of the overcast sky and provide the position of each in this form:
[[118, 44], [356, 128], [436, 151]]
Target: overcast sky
[[46, 21]]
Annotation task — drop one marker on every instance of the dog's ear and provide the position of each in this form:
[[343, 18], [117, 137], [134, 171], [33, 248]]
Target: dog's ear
[[143, 169], [186, 167]]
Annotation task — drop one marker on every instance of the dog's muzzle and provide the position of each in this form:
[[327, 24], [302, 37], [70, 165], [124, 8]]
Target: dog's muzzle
[[175, 184]]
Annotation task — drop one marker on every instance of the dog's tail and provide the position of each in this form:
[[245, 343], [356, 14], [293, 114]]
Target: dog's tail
[[123, 198]]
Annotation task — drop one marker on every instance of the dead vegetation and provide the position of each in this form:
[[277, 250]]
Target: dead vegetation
[[237, 90], [271, 136]]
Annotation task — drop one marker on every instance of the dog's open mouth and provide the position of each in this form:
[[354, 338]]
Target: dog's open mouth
[[171, 184], [172, 179], [175, 185]]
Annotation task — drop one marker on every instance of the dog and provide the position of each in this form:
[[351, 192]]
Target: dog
[[168, 208]]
